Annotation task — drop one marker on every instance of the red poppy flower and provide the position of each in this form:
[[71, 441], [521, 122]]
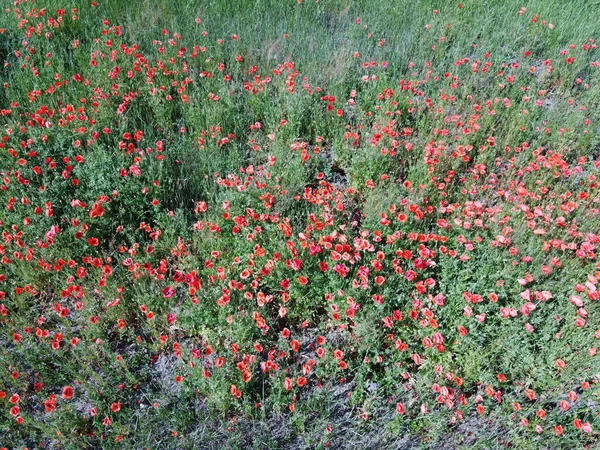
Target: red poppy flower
[[67, 392]]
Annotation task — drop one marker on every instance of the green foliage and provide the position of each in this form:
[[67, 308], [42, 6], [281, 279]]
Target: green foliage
[[299, 224]]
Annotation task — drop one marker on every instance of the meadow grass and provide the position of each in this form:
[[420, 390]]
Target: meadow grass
[[282, 224]]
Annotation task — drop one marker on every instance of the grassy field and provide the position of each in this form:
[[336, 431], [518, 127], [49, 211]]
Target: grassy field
[[299, 224]]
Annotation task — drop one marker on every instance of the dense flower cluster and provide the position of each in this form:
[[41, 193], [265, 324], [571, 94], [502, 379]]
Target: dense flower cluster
[[180, 222]]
